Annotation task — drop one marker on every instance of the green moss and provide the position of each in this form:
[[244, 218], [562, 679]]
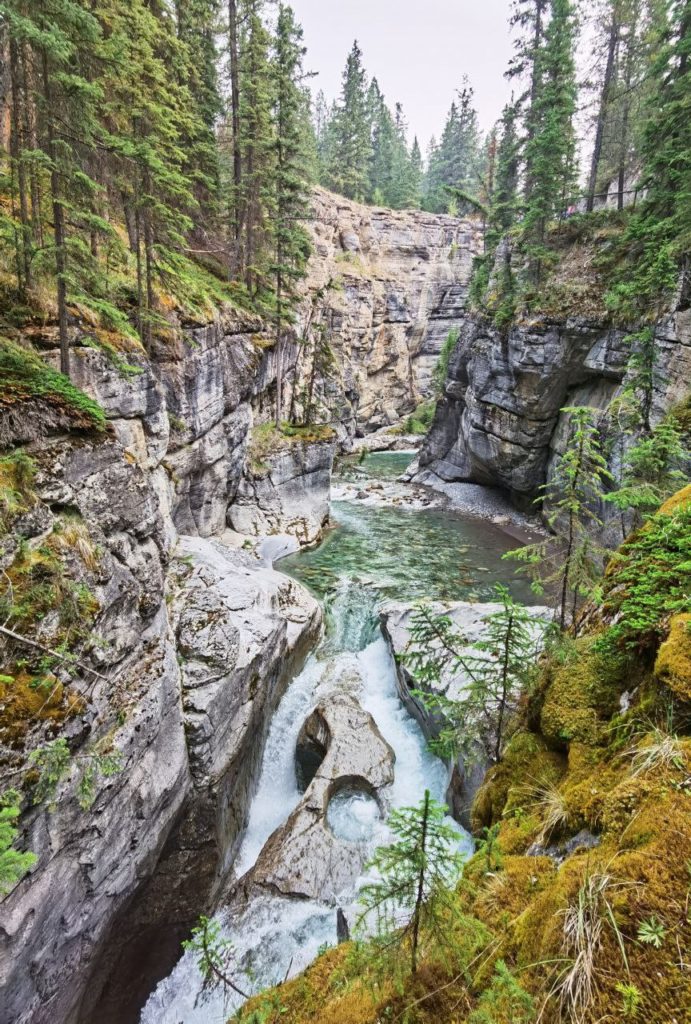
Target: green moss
[[17, 496], [267, 440], [580, 696], [420, 421], [673, 665], [648, 580], [526, 762], [25, 378]]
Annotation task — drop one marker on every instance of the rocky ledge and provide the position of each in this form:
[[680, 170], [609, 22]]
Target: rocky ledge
[[500, 422], [470, 621]]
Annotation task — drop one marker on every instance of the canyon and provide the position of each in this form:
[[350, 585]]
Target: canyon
[[198, 635]]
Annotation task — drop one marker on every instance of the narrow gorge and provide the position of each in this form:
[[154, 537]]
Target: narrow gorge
[[198, 636], [345, 514]]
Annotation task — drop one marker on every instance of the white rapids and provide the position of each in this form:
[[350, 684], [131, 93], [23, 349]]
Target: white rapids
[[274, 938]]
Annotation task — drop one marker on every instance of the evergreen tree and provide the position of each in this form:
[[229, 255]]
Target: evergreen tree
[[503, 192], [550, 148], [652, 472], [454, 165], [291, 203], [412, 895], [658, 238], [491, 674], [350, 147], [620, 27], [570, 558], [258, 152], [57, 41]]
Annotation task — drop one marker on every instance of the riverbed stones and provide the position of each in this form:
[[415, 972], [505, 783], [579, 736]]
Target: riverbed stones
[[304, 858]]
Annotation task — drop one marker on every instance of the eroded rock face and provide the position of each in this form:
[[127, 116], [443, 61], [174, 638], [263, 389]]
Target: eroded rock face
[[387, 286], [288, 493], [304, 858], [91, 863], [500, 421], [185, 691]]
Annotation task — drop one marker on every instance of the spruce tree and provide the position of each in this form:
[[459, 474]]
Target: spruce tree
[[348, 168], [658, 238], [291, 202], [258, 152], [495, 670], [412, 894], [550, 148]]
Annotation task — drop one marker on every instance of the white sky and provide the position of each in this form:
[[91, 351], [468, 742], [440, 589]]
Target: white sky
[[419, 51]]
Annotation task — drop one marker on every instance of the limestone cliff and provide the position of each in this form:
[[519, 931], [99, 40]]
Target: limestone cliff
[[500, 421], [386, 287]]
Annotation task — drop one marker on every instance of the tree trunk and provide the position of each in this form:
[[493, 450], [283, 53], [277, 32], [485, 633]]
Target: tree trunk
[[31, 140], [603, 109], [58, 225], [235, 121], [420, 898], [504, 689], [279, 343], [17, 145]]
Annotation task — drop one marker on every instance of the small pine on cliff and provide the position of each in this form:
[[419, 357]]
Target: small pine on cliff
[[575, 907]]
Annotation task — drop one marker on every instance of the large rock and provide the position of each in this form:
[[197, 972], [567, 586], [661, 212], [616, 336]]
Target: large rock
[[303, 858], [501, 421], [470, 622], [387, 286], [287, 493]]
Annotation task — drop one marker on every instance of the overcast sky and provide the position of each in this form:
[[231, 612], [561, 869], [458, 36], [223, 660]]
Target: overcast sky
[[418, 49]]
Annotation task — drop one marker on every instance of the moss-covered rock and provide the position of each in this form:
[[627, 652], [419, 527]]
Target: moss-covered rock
[[673, 664], [580, 696], [527, 762]]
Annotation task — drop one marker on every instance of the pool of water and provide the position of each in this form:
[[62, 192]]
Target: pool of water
[[407, 555], [374, 466]]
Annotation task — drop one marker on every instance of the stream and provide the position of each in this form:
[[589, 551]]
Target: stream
[[372, 555]]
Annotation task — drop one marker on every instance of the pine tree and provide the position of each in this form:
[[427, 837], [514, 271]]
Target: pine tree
[[291, 202], [412, 893], [620, 26], [652, 472], [503, 193], [571, 559], [348, 167], [550, 148]]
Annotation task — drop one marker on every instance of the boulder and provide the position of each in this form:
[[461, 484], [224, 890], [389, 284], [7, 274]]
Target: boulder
[[304, 858]]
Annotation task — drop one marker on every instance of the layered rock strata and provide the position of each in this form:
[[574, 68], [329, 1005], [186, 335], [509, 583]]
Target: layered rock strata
[[500, 421], [385, 287]]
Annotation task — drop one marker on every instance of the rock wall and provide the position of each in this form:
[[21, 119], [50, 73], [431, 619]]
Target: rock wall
[[184, 664], [385, 287], [500, 423]]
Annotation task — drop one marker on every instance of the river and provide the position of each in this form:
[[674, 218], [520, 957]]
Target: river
[[373, 554]]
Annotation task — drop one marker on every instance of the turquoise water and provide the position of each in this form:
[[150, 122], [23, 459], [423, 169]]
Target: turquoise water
[[375, 466], [400, 554]]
